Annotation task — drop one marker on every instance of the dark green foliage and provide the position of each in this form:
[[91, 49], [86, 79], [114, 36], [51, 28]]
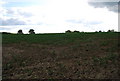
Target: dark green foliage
[[56, 38]]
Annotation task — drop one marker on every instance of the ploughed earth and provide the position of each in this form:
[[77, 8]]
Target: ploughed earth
[[97, 59]]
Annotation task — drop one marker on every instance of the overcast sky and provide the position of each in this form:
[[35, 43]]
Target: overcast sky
[[57, 16]]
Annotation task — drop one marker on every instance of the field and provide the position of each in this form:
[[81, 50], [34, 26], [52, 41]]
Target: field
[[61, 55]]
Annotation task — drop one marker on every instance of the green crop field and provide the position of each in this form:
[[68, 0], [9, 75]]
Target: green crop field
[[90, 55], [59, 38]]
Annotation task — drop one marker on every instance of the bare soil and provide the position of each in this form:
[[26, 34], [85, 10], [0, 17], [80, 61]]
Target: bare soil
[[90, 60]]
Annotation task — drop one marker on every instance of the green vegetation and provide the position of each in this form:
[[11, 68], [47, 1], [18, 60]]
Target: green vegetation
[[58, 38]]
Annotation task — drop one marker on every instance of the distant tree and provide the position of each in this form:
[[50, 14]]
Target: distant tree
[[76, 31], [100, 31], [111, 30], [31, 31], [108, 31], [20, 32], [68, 31], [96, 31], [5, 33]]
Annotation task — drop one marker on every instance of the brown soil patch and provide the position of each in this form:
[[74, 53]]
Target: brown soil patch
[[76, 61]]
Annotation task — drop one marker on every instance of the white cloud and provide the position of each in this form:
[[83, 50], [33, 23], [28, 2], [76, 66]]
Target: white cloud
[[103, 0], [24, 0], [2, 2], [55, 14]]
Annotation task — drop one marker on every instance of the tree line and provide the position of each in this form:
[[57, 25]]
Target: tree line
[[69, 31], [31, 31]]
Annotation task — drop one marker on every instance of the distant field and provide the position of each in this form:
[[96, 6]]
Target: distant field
[[61, 55], [58, 38]]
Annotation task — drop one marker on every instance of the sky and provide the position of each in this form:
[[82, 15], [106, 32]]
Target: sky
[[57, 16]]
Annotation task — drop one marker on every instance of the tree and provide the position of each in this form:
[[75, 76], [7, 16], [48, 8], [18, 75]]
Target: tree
[[96, 31], [20, 31], [68, 31], [5, 33], [108, 31], [76, 31], [31, 31], [111, 30]]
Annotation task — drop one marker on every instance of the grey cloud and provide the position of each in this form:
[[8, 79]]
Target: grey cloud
[[20, 12], [9, 11], [11, 21], [119, 6], [112, 6], [25, 14]]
